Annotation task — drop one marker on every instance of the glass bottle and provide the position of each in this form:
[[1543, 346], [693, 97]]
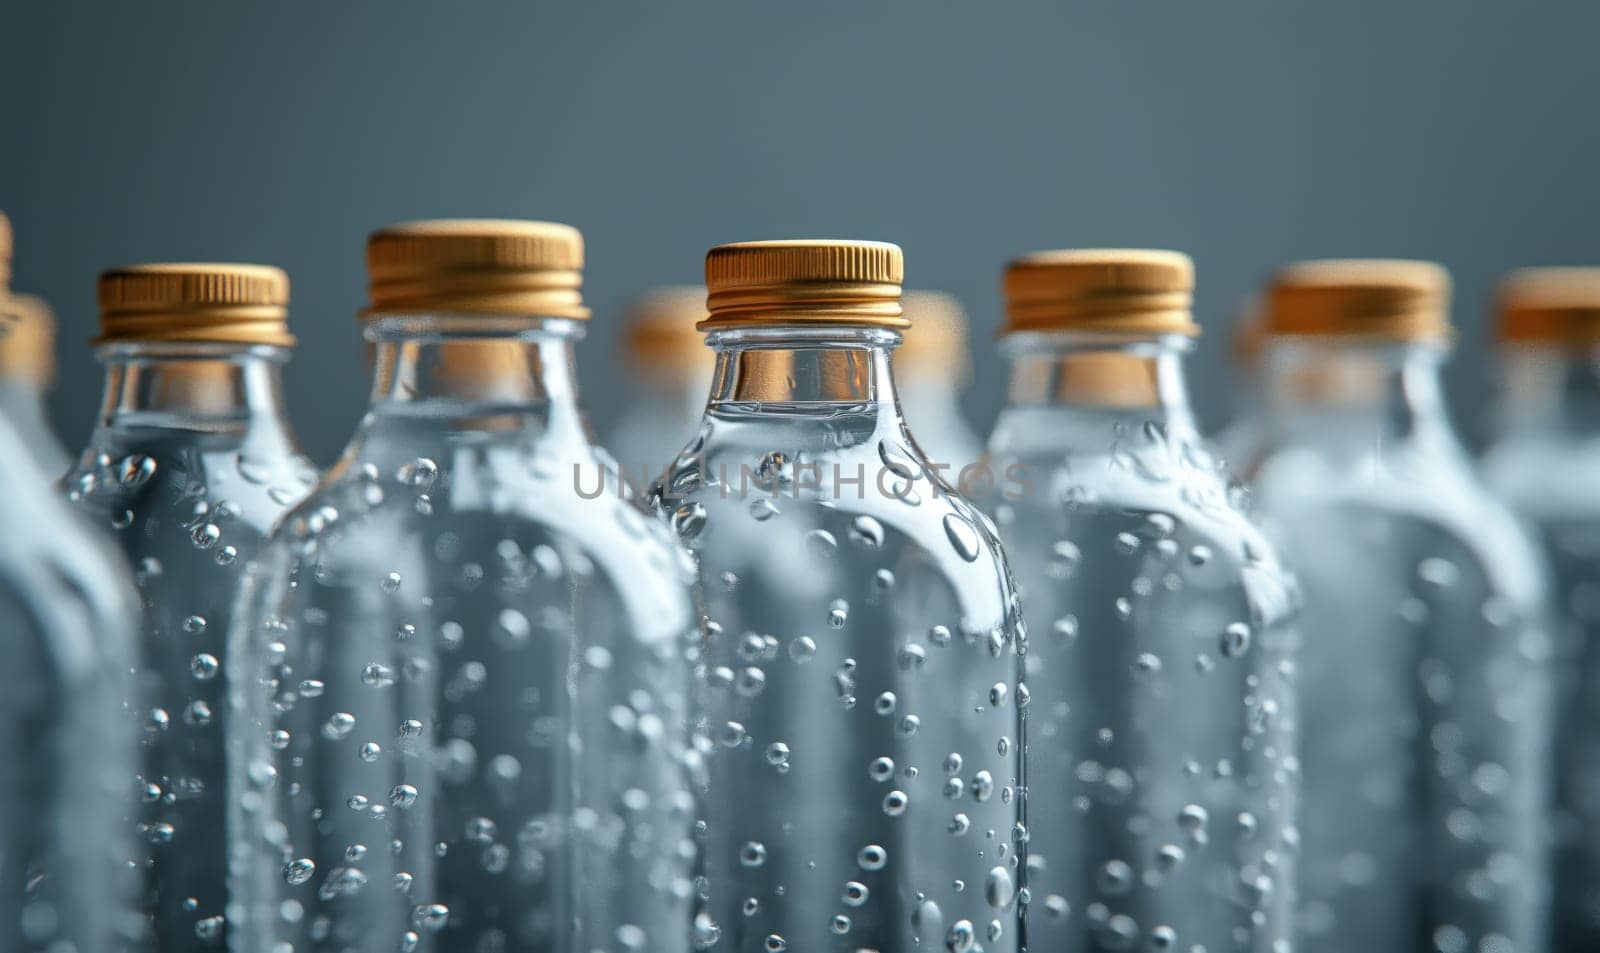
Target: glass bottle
[[467, 691], [1161, 763], [933, 368], [66, 745], [1545, 462], [859, 719], [189, 465], [27, 365], [670, 369], [1425, 674]]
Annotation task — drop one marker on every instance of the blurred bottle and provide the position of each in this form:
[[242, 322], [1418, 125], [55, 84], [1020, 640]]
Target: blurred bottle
[[1162, 729], [190, 463], [1545, 461], [670, 369], [66, 745], [1424, 682], [932, 367], [466, 653], [27, 365], [860, 703]]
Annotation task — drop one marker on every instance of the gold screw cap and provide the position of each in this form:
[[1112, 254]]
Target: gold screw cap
[[27, 338], [1102, 290], [1549, 306], [501, 267], [936, 342], [661, 328], [804, 282], [195, 303], [1388, 299]]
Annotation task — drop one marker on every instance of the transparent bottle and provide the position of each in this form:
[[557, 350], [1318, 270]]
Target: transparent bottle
[[1161, 739], [1545, 462], [67, 616], [27, 365], [859, 719], [1425, 671], [189, 465], [669, 371], [933, 367], [467, 693]]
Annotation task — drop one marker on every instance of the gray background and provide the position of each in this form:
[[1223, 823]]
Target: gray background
[[1245, 133]]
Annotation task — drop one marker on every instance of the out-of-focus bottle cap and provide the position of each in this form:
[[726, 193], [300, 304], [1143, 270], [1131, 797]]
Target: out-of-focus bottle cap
[[1131, 291], [476, 266], [1384, 299], [5, 250], [27, 339], [195, 303], [804, 282], [936, 341], [1549, 306], [661, 329]]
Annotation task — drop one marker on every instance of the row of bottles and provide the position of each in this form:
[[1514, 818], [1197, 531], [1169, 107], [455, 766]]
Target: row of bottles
[[792, 676]]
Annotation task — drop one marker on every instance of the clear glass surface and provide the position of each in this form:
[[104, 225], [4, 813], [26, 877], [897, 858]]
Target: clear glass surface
[[1545, 462], [1425, 675], [190, 464], [1161, 759], [859, 709], [462, 675], [67, 619]]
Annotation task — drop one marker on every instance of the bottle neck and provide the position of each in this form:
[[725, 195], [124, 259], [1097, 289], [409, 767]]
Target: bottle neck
[[209, 387], [1096, 379], [1549, 391], [801, 370], [1366, 391], [509, 375]]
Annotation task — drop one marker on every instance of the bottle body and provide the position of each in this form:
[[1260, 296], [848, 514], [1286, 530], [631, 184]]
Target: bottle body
[[1543, 463], [1425, 685], [188, 469], [465, 710], [859, 707], [68, 748], [1162, 731]]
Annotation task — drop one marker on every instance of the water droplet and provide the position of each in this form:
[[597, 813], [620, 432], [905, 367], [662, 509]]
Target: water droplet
[[841, 924], [763, 509], [753, 854], [205, 535], [195, 624], [1235, 639], [776, 943], [960, 938], [370, 751], [391, 582], [894, 803], [420, 473], [431, 917], [821, 544], [872, 857], [377, 675], [209, 930], [136, 470], [881, 769], [855, 893], [338, 725], [204, 667], [297, 872], [962, 535], [402, 796], [867, 532], [884, 704], [998, 888], [802, 649]]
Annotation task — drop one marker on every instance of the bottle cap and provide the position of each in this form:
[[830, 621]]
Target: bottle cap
[[5, 250], [661, 326], [27, 339], [936, 342], [804, 282], [1371, 298], [1136, 292], [195, 303], [476, 266], [1549, 306]]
